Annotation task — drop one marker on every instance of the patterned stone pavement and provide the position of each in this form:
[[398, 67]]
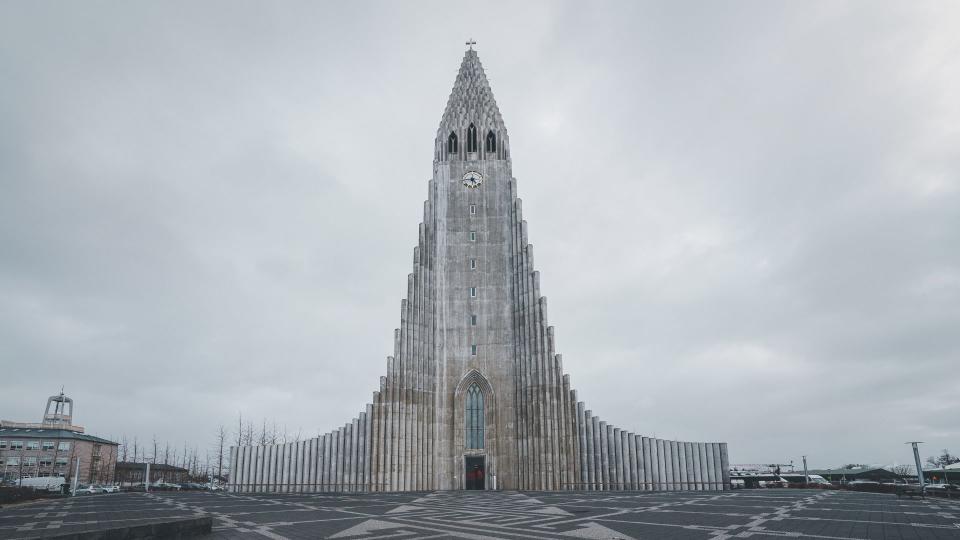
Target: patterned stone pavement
[[715, 516]]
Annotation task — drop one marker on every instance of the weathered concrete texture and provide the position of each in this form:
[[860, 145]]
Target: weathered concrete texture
[[474, 315]]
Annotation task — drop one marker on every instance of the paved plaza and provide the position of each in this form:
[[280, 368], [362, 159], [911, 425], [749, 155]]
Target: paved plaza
[[739, 514]]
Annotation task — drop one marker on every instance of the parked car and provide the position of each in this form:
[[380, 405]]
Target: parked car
[[87, 490], [110, 489], [943, 488], [213, 487]]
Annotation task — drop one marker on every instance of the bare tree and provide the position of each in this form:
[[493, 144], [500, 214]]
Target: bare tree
[[221, 442], [944, 459], [902, 470], [239, 438], [264, 437]]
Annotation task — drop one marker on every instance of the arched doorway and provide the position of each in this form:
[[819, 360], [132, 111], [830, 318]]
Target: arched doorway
[[475, 426]]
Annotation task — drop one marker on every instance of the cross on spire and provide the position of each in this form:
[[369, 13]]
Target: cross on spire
[[470, 43]]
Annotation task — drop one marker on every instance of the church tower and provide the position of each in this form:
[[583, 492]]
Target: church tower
[[474, 395]]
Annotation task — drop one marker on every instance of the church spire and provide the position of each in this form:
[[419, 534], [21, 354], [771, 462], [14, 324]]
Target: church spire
[[471, 127]]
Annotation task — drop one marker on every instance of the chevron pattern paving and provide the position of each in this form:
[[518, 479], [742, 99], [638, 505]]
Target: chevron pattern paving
[[509, 515]]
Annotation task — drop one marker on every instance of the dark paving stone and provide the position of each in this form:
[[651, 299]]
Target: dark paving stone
[[508, 515]]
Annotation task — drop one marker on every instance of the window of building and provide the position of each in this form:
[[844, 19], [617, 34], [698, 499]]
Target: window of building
[[473, 236], [48, 445], [30, 460], [16, 445], [473, 264], [472, 138], [3, 445], [473, 350], [473, 320], [452, 143], [33, 445], [473, 209], [491, 142], [13, 461], [474, 417], [1, 461], [63, 446], [473, 292], [46, 462], [61, 461]]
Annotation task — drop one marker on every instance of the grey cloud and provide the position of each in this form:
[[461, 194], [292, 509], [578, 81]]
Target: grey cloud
[[746, 215]]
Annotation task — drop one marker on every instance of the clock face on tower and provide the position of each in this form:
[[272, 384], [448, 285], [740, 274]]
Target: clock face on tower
[[472, 179]]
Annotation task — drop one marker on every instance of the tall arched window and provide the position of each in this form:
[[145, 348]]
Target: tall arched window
[[472, 138], [491, 142], [474, 417], [452, 143]]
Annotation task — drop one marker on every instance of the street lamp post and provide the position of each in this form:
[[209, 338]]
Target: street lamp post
[[916, 459]]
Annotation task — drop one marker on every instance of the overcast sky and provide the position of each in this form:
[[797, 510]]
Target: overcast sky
[[746, 214]]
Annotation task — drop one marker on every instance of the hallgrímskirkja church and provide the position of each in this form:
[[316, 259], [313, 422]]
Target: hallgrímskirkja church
[[474, 395]]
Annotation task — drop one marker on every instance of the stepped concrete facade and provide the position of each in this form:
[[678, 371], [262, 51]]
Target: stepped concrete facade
[[475, 396]]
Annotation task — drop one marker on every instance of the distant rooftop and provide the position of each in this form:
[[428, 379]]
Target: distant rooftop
[[49, 433]]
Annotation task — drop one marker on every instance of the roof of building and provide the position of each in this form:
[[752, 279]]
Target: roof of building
[[153, 466], [852, 472], [31, 433]]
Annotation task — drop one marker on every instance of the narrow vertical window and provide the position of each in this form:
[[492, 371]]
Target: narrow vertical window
[[473, 292], [452, 143], [473, 236], [473, 414], [473, 320], [491, 145], [473, 350], [472, 138], [473, 264], [473, 209]]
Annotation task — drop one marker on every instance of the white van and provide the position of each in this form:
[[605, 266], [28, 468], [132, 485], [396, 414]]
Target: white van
[[53, 484]]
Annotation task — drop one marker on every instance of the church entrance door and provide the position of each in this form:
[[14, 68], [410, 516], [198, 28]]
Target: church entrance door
[[474, 473]]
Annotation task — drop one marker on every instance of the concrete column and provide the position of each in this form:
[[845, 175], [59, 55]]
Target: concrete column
[[597, 454], [605, 455], [284, 468], [647, 475], [311, 465], [336, 464], [289, 464], [697, 477], [688, 462], [354, 454], [634, 477], [377, 446], [327, 462], [617, 453], [662, 480], [711, 468], [256, 462], [584, 479], [591, 450], [350, 438], [724, 466], [682, 465], [303, 459], [276, 468], [669, 461], [236, 471], [368, 448]]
